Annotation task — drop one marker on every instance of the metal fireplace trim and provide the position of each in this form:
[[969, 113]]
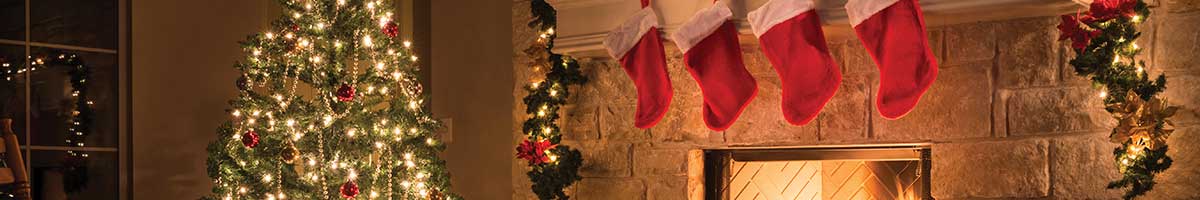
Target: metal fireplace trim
[[717, 160]]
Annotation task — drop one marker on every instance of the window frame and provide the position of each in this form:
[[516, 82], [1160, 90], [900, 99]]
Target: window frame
[[124, 88]]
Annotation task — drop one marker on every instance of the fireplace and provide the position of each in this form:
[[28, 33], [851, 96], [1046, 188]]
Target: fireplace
[[893, 171]]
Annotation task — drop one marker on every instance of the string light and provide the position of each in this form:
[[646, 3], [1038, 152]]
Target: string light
[[303, 55]]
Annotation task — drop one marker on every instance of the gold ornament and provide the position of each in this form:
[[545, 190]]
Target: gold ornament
[[1137, 120], [289, 154]]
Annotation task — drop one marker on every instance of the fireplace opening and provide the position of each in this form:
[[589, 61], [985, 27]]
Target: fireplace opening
[[894, 171]]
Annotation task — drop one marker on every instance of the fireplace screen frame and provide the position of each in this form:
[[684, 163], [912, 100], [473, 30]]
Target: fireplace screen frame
[[717, 162]]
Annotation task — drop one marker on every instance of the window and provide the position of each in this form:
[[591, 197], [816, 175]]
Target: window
[[66, 88]]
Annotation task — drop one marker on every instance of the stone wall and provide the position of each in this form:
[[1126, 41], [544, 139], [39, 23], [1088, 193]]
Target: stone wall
[[1007, 117]]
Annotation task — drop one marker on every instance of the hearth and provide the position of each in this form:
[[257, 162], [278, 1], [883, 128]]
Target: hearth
[[892, 171]]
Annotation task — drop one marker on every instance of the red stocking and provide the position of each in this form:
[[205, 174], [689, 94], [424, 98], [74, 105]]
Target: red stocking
[[789, 32], [714, 58], [639, 48], [894, 34]]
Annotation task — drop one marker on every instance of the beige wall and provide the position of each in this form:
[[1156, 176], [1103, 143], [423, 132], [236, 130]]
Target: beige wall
[[472, 76], [183, 75], [183, 55]]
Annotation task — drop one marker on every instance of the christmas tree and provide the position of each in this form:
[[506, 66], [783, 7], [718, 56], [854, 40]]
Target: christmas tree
[[329, 106]]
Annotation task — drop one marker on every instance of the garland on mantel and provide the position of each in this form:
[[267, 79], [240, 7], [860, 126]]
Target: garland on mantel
[[1104, 40], [554, 166]]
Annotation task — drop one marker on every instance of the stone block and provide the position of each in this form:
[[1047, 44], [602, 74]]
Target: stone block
[[1178, 44], [650, 162], [1000, 112], [999, 169], [1056, 110], [695, 174], [855, 59], [666, 188], [616, 123], [1068, 74], [611, 84], [1028, 53], [1180, 6], [1082, 166], [757, 62], [1180, 181], [605, 159], [970, 42], [937, 43], [846, 116], [1184, 91], [683, 123], [580, 123], [762, 122], [586, 94], [610, 188], [957, 106]]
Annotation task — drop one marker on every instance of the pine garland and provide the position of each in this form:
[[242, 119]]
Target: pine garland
[[1104, 40], [554, 166]]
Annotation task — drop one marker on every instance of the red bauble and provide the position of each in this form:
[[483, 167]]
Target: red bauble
[[349, 190], [345, 93], [250, 139], [391, 29], [295, 27]]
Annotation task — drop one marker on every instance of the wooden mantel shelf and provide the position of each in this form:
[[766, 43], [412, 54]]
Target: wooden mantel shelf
[[583, 24]]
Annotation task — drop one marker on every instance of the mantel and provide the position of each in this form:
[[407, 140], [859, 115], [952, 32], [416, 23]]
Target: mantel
[[583, 24]]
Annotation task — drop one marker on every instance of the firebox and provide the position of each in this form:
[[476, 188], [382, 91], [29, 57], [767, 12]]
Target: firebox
[[886, 171]]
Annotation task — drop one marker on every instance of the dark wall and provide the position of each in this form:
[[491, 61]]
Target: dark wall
[[472, 84], [183, 55]]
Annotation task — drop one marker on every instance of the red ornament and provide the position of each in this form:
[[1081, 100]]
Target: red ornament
[[391, 29], [250, 139], [534, 152], [349, 190], [295, 27], [1108, 9], [345, 93]]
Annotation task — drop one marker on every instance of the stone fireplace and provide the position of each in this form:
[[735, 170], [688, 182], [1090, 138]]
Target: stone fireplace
[[895, 171], [1007, 118]]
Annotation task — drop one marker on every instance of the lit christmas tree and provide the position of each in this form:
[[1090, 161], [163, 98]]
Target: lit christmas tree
[[330, 106]]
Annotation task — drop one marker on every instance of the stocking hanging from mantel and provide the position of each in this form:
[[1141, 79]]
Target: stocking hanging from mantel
[[894, 34], [709, 43], [789, 32], [638, 46]]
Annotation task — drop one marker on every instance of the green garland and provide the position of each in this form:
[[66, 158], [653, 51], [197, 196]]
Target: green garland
[[554, 166], [1104, 40]]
